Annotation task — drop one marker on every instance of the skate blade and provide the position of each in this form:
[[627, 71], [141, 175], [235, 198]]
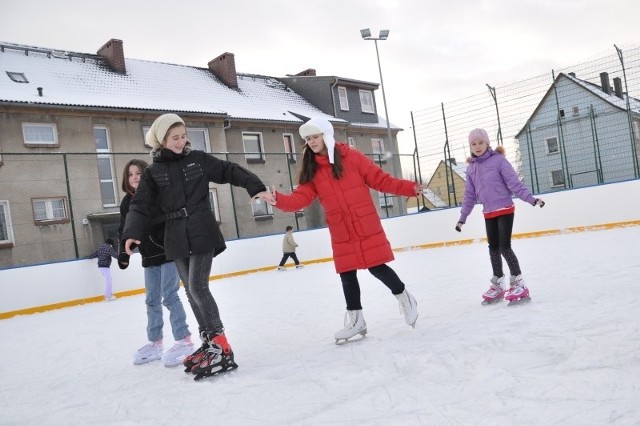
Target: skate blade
[[202, 375], [491, 302], [352, 339], [522, 301]]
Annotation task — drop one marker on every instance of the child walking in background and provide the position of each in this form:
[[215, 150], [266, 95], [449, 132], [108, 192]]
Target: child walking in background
[[161, 282], [178, 182], [104, 253], [289, 250], [340, 177], [492, 181]]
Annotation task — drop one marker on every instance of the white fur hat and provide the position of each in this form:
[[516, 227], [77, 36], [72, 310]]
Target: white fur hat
[[317, 126], [158, 130]]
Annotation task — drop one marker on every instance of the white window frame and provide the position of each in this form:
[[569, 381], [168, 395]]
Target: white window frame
[[205, 133], [214, 203], [252, 156], [52, 213], [5, 223], [343, 98], [107, 180], [53, 142], [290, 147], [551, 178], [378, 150], [258, 210], [366, 101], [546, 144], [381, 200]]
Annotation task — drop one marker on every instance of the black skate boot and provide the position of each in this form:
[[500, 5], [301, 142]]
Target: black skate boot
[[195, 358], [218, 357]]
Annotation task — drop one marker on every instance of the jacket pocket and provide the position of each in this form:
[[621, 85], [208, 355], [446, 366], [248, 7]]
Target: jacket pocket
[[192, 171], [337, 228], [368, 221]]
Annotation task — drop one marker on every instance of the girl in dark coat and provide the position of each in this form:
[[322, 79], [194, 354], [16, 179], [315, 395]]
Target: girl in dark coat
[[340, 177], [161, 282], [178, 179]]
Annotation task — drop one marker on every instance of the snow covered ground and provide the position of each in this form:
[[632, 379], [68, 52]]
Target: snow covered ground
[[571, 357]]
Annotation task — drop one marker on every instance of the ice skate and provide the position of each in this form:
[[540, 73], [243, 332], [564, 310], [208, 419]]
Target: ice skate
[[218, 357], [300, 266], [518, 293], [177, 354], [152, 351], [408, 307], [281, 269], [195, 358], [495, 293], [354, 325]]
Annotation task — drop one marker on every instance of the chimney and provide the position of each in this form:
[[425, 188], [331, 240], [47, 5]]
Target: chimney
[[604, 81], [39, 91], [617, 87], [309, 72], [572, 74], [113, 53], [224, 67]]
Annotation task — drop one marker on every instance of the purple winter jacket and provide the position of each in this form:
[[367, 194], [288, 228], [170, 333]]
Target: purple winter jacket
[[492, 181]]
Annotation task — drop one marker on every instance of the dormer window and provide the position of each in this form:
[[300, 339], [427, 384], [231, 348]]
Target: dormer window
[[18, 77]]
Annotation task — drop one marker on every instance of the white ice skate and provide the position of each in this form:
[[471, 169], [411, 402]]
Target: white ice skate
[[354, 324], [281, 269], [408, 307]]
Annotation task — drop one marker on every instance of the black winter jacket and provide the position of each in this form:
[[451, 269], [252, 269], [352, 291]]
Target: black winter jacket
[[181, 183], [152, 246]]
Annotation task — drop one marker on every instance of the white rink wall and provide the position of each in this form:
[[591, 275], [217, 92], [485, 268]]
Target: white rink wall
[[37, 288]]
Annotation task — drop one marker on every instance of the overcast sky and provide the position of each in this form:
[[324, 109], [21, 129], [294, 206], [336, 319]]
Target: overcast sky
[[437, 51]]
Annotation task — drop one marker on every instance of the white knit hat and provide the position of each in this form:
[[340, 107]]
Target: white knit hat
[[317, 126], [158, 130]]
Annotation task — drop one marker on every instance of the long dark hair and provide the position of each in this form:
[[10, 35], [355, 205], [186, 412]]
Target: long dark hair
[[309, 166], [141, 164]]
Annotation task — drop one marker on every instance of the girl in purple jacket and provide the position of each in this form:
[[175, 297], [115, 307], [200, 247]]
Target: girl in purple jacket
[[492, 181]]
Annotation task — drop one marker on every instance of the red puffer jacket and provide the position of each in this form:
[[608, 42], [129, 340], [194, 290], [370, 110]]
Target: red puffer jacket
[[357, 237]]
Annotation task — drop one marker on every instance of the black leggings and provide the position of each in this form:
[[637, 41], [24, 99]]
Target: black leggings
[[499, 235], [351, 287]]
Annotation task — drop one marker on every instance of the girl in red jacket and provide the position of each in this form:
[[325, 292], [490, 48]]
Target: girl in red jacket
[[340, 178]]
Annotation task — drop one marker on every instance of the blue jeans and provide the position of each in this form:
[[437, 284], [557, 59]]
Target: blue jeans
[[161, 286], [194, 272]]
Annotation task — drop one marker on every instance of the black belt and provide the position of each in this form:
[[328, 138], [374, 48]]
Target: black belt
[[178, 214]]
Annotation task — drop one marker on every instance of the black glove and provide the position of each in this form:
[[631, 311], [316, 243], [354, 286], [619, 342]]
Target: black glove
[[538, 202], [123, 260]]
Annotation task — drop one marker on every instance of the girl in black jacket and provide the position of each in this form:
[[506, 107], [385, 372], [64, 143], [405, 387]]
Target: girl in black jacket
[[161, 282], [178, 179]]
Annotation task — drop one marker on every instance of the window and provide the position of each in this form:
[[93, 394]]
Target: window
[[213, 202], [6, 230], [40, 134], [300, 212], [253, 149], [289, 147], [199, 139], [366, 101], [377, 144], [552, 145], [385, 200], [575, 111], [344, 100], [261, 209], [557, 178], [18, 77], [352, 141], [108, 189], [49, 210]]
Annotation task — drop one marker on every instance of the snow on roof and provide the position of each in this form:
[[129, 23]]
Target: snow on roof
[[77, 79], [434, 198], [611, 97]]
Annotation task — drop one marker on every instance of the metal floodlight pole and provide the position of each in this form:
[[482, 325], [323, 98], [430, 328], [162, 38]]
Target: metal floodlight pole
[[384, 34]]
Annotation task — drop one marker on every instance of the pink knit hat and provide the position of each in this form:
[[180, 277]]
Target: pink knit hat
[[479, 135]]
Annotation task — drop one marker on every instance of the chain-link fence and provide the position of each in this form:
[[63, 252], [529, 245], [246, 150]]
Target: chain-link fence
[[570, 128], [62, 206]]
